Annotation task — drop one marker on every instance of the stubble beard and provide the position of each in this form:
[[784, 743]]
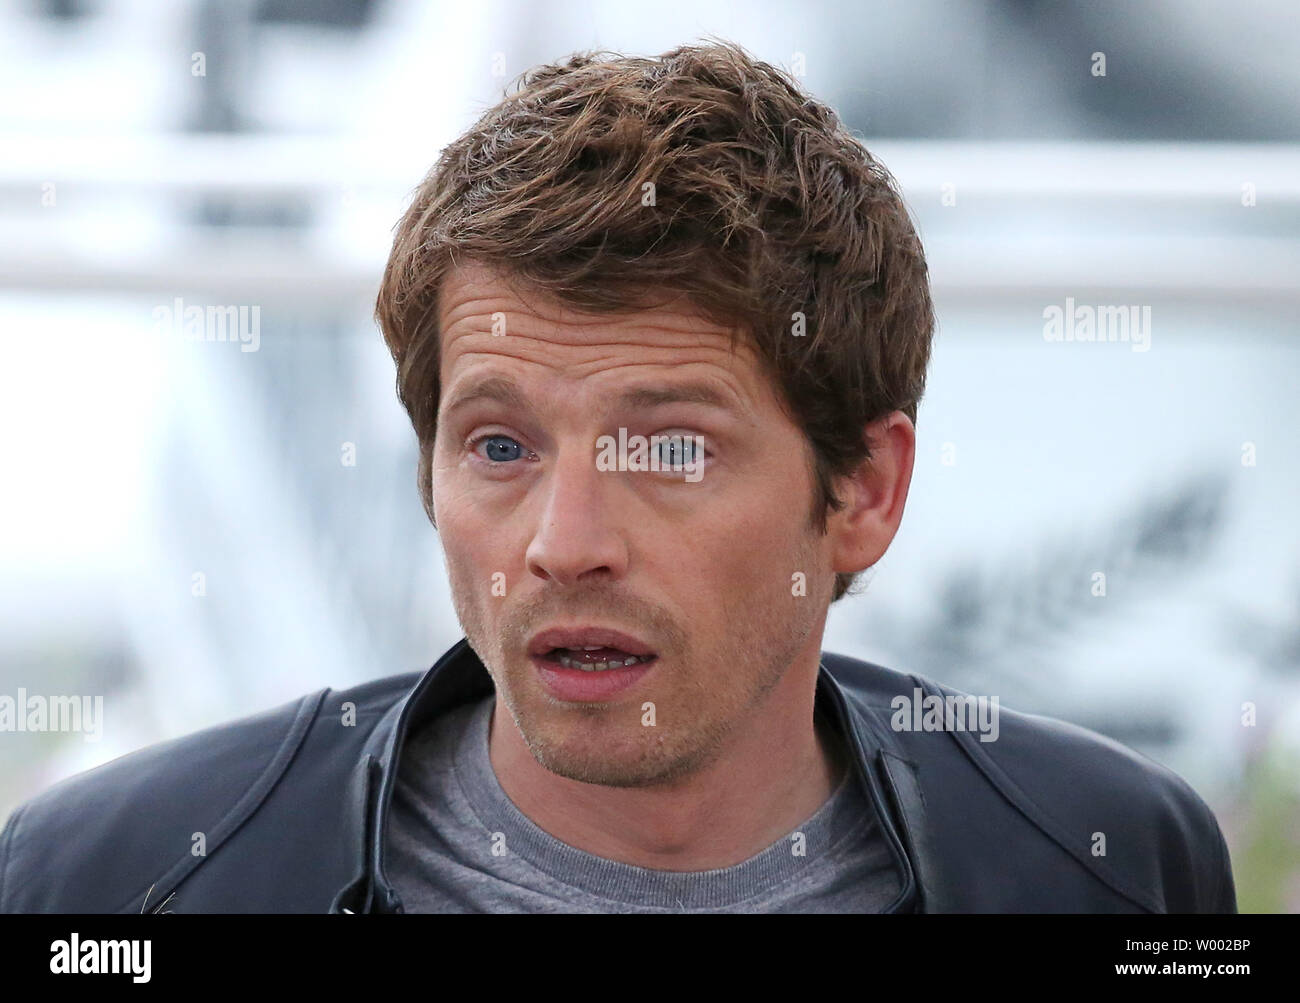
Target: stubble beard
[[694, 716]]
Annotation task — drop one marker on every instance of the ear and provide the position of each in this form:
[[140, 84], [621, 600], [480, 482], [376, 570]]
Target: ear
[[873, 496]]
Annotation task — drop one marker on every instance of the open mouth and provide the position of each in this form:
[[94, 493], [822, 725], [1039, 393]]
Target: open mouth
[[586, 663], [594, 658]]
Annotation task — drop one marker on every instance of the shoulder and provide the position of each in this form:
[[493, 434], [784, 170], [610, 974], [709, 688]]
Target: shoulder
[[86, 843], [1131, 821]]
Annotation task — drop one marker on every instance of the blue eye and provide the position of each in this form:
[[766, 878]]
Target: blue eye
[[501, 448], [676, 453]]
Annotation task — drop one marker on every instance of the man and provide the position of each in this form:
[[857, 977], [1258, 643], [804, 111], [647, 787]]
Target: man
[[661, 327]]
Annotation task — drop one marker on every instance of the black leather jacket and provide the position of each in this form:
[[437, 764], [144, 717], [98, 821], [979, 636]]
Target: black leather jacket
[[284, 811]]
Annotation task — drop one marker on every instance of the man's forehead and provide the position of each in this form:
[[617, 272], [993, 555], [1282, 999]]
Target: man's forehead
[[495, 326], [477, 299]]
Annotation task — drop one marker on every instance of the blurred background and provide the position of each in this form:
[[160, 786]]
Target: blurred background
[[197, 528]]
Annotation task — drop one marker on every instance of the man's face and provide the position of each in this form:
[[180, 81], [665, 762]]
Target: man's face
[[702, 572]]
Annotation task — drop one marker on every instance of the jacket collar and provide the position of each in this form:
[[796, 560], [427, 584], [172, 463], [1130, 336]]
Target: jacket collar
[[458, 677]]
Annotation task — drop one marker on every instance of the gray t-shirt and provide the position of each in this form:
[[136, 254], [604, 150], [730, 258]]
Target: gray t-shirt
[[455, 842]]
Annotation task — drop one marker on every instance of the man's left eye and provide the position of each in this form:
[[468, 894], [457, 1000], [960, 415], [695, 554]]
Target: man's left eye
[[499, 448], [677, 451]]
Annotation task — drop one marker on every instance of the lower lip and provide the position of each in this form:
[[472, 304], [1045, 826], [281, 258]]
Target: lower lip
[[577, 685]]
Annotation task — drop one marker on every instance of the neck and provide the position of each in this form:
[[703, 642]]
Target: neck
[[774, 773]]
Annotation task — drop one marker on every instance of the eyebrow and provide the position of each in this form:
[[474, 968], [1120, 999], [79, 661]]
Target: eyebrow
[[493, 388], [504, 391]]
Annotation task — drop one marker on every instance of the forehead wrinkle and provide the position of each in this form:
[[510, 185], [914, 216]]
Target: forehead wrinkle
[[731, 389], [553, 336], [617, 357], [639, 327], [476, 290], [671, 378]]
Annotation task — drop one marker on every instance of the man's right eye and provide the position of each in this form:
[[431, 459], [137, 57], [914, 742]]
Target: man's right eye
[[497, 448]]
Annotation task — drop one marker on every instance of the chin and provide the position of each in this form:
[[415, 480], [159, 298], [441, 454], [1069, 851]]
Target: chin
[[576, 751]]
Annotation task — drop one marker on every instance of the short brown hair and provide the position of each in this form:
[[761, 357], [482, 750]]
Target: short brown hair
[[703, 172]]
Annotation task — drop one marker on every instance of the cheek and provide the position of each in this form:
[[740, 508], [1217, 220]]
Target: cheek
[[752, 551], [466, 534], [472, 551]]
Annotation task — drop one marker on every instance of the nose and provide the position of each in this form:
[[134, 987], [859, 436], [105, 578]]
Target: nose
[[578, 538]]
